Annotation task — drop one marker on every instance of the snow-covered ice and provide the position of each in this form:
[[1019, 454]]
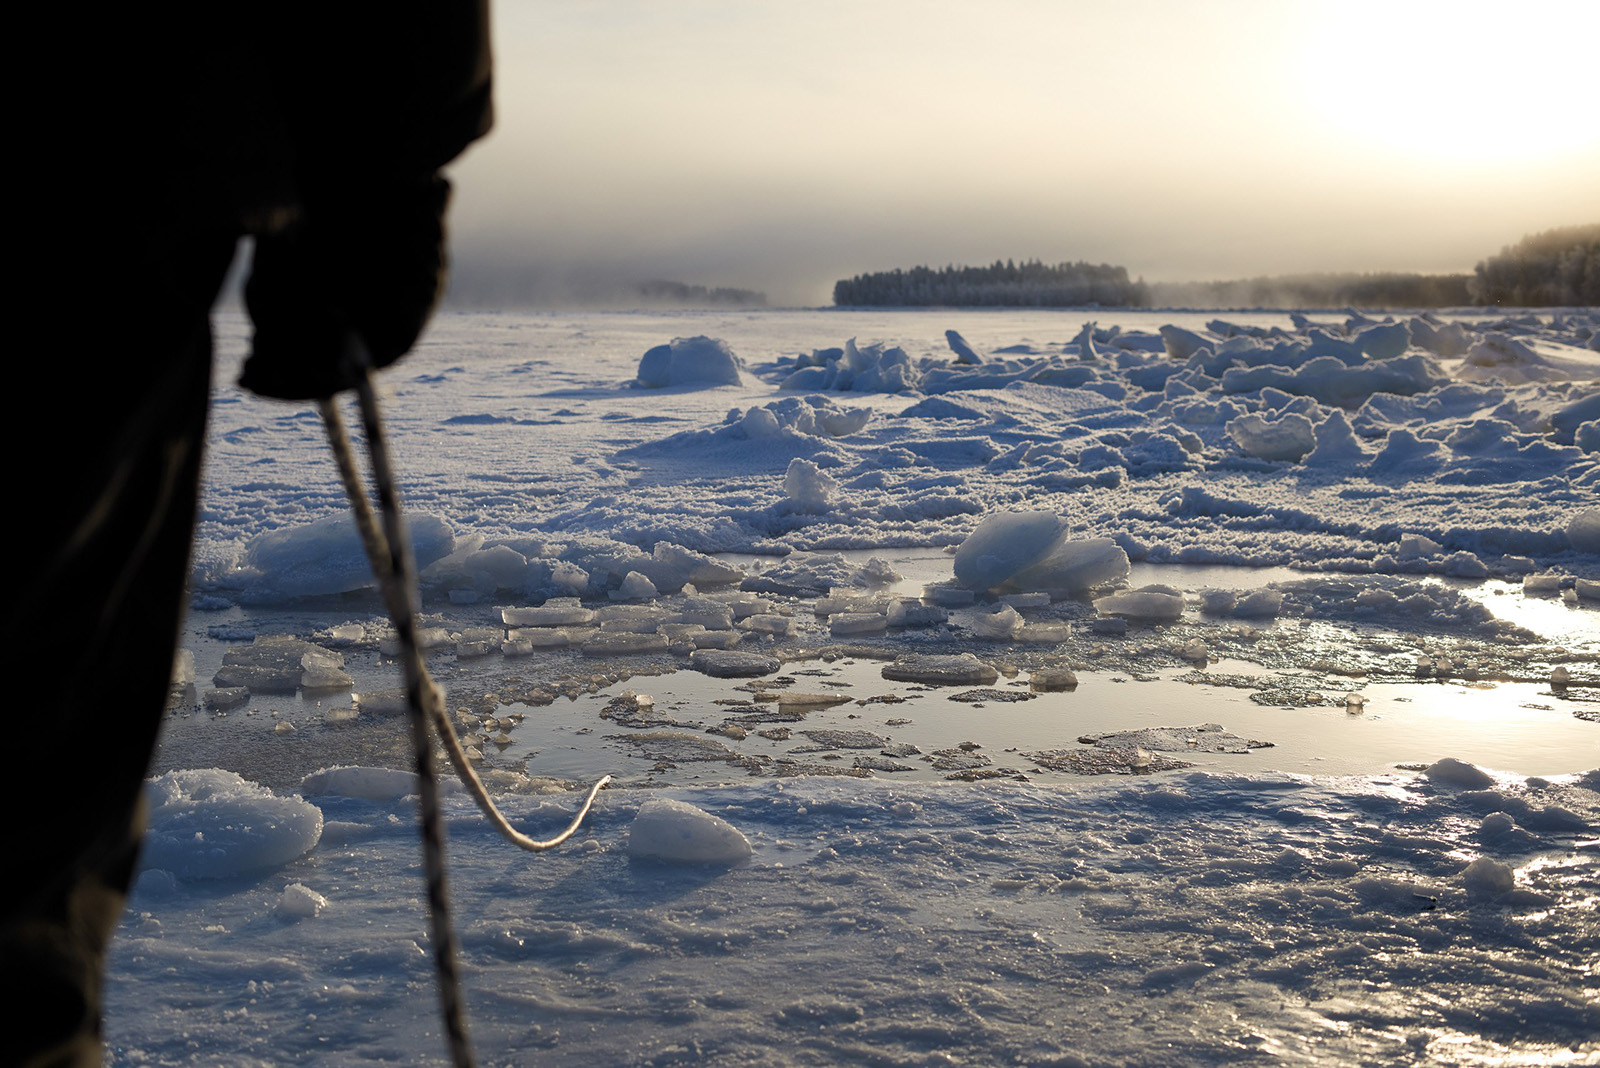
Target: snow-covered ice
[[931, 575]]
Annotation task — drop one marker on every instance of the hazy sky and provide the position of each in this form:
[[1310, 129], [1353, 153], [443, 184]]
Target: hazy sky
[[783, 145]]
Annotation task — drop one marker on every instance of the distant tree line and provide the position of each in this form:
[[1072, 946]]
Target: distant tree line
[[666, 292], [1554, 268], [1030, 284], [1327, 290]]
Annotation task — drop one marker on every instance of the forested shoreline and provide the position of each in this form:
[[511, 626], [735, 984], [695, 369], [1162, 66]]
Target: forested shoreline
[[1558, 267]]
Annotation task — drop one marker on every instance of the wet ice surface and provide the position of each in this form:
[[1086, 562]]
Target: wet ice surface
[[1304, 903], [1286, 682], [1062, 849], [1198, 918]]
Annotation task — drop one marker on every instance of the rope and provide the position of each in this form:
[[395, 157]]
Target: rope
[[388, 551]]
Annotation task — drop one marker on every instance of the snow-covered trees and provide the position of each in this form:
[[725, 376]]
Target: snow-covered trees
[[1028, 284]]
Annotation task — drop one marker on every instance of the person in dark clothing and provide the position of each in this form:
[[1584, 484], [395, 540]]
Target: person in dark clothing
[[320, 132]]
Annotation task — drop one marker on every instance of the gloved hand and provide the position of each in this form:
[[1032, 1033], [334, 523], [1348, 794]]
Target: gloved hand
[[349, 284]]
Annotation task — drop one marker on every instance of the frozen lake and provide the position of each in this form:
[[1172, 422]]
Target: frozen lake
[[1011, 871]]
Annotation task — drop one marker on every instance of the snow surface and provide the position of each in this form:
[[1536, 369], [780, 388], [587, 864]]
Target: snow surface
[[942, 547]]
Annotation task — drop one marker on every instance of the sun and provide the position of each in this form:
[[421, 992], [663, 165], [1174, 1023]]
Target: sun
[[1456, 83]]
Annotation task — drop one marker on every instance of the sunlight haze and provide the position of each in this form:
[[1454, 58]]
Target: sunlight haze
[[782, 147]]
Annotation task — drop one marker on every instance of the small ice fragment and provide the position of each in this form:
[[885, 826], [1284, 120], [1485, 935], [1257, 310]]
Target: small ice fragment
[[999, 625], [768, 623], [1052, 680], [955, 597], [1261, 604], [1354, 703], [211, 824], [1289, 437], [635, 587], [556, 612], [1452, 772], [1141, 760], [624, 643], [1153, 604], [844, 624], [951, 669], [182, 668], [1195, 650], [1584, 531], [1444, 667], [1588, 589], [323, 670], [1559, 677], [689, 361], [965, 353], [1075, 566], [1496, 824], [1541, 585], [910, 612], [678, 832], [225, 697], [1045, 632], [345, 634], [548, 637], [282, 727], [809, 488], [1004, 544], [340, 717], [730, 664], [300, 902], [1488, 876]]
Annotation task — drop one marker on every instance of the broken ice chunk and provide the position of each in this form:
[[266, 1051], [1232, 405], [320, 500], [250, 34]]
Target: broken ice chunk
[[678, 832], [1584, 531], [1004, 544], [809, 488], [730, 664], [1541, 585], [1488, 876], [623, 643], [1051, 680], [1413, 545], [298, 901], [844, 624], [1260, 604], [1289, 437], [635, 587], [767, 623], [1150, 604], [941, 593], [1075, 566], [556, 612], [270, 664], [340, 717], [1051, 631], [910, 612], [226, 697], [1003, 624], [1452, 772], [182, 668], [956, 669]]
